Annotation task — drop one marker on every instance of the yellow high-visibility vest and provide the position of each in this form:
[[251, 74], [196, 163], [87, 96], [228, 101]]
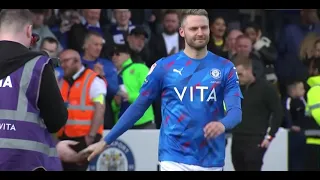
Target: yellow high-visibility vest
[[313, 98]]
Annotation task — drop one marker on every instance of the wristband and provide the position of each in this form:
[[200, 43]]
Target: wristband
[[268, 137], [91, 136]]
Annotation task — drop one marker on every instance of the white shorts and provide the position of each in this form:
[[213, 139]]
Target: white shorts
[[173, 166]]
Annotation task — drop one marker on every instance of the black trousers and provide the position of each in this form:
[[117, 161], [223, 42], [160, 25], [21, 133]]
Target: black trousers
[[297, 151], [247, 155], [80, 146], [312, 159]]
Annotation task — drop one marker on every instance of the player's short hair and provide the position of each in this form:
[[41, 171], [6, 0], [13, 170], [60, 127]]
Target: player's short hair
[[192, 12], [246, 62], [49, 40], [15, 19]]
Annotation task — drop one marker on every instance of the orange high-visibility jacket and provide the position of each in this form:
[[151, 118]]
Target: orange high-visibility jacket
[[80, 106]]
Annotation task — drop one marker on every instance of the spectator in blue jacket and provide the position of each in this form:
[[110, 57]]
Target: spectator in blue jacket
[[93, 44], [92, 47]]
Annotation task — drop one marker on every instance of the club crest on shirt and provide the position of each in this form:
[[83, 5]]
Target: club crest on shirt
[[215, 73]]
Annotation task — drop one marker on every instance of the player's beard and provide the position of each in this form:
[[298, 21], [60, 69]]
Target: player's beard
[[193, 43]]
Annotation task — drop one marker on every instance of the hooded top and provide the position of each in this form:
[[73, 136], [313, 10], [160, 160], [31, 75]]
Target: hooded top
[[14, 55]]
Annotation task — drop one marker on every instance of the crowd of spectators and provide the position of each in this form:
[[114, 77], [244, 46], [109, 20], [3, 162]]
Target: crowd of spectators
[[283, 55]]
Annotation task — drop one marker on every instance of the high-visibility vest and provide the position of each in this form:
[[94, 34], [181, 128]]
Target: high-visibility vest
[[25, 142], [80, 106], [313, 109], [313, 98]]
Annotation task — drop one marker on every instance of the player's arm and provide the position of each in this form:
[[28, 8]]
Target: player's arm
[[232, 99], [141, 74], [273, 103], [97, 94], [148, 93]]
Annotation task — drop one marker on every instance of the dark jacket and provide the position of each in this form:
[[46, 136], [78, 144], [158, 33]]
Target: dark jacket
[[266, 50], [261, 108], [218, 50], [295, 112], [158, 48]]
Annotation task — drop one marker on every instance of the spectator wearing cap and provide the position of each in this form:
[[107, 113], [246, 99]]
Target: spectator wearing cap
[[40, 28], [133, 75], [89, 21], [136, 42]]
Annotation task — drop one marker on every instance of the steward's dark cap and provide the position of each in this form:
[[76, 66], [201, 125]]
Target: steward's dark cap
[[139, 30], [121, 49]]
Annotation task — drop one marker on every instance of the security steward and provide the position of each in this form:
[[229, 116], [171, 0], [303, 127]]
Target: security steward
[[31, 106], [133, 76], [83, 92], [312, 133]]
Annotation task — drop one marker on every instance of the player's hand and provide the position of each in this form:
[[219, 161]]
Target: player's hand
[[67, 154], [213, 129], [265, 143], [93, 150], [98, 68]]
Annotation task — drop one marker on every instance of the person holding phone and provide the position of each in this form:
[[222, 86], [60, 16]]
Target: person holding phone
[[68, 17]]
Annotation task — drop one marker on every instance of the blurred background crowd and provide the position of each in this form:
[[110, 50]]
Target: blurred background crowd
[[282, 46]]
